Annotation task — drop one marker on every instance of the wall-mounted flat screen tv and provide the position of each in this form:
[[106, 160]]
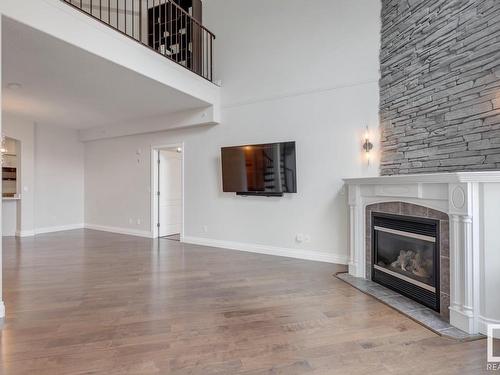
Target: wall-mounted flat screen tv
[[265, 169]]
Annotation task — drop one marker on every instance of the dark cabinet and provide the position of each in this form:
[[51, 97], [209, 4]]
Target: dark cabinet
[[174, 29]]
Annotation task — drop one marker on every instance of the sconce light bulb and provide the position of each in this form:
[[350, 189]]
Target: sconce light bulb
[[367, 145]]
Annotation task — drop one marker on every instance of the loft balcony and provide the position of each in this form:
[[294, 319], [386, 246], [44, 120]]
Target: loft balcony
[[109, 68], [171, 28]]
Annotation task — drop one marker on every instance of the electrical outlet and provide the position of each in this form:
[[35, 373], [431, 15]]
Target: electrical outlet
[[299, 238], [205, 229], [307, 238], [138, 221]]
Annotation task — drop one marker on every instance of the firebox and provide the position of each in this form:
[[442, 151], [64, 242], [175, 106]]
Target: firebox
[[406, 256]]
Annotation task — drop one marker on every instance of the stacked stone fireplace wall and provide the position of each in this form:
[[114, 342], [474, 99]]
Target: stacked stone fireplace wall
[[440, 86], [407, 209]]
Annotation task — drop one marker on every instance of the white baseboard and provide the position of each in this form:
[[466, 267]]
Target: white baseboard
[[483, 325], [59, 228], [354, 270], [268, 250], [462, 320], [25, 233], [127, 231]]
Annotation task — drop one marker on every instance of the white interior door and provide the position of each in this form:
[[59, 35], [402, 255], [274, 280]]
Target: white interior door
[[170, 198]]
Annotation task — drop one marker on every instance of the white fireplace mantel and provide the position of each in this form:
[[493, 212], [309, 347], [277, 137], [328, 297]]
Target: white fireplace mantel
[[472, 201]]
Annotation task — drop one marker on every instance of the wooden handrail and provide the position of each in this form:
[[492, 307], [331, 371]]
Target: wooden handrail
[[192, 18]]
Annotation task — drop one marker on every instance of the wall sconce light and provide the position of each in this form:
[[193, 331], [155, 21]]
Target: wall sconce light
[[367, 145]]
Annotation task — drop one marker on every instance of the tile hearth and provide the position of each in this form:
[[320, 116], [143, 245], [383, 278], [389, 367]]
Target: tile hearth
[[415, 311]]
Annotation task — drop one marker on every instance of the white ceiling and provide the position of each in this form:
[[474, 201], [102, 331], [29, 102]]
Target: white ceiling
[[67, 86]]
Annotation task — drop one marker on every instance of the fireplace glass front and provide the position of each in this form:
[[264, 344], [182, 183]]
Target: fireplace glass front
[[406, 256]]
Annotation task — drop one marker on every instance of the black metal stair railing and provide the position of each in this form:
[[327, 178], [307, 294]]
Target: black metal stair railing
[[161, 25]]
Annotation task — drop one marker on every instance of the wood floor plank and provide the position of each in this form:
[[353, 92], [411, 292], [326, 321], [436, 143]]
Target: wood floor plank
[[88, 302]]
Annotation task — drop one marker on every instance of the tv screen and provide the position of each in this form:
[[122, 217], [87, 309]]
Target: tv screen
[[266, 169]]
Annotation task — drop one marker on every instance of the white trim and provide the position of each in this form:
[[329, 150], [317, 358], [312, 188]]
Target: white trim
[[433, 178], [357, 264], [59, 228], [126, 231], [154, 174], [175, 120], [292, 94], [462, 320], [268, 250], [2, 309], [25, 233]]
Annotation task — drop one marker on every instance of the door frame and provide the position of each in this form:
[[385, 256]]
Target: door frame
[[155, 149]]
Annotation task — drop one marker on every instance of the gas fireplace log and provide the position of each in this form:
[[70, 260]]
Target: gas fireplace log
[[413, 262]]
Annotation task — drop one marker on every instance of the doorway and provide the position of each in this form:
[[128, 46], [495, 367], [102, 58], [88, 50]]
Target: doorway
[[167, 192], [10, 162]]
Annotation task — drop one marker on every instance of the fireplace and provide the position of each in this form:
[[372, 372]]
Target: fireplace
[[466, 206], [406, 256]]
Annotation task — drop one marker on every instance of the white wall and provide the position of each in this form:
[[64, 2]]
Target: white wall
[[289, 72], [59, 174], [9, 215], [271, 49], [51, 174]]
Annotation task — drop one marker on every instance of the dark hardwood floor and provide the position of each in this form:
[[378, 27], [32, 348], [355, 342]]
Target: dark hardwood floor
[[87, 302]]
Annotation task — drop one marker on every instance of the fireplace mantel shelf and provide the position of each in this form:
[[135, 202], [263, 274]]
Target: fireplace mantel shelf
[[471, 200], [433, 178]]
